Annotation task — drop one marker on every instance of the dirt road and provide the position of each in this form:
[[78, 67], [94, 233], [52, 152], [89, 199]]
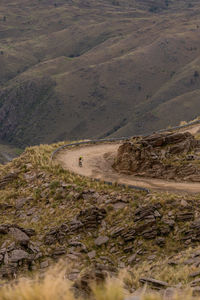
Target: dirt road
[[97, 163]]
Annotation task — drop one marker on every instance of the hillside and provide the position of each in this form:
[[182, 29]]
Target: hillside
[[48, 213], [74, 69]]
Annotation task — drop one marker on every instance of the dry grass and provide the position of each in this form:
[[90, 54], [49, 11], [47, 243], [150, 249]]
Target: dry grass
[[38, 159], [55, 286]]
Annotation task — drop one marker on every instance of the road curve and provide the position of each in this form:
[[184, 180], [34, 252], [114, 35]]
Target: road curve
[[97, 163]]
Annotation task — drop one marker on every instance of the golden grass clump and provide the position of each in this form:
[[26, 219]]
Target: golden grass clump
[[54, 285]]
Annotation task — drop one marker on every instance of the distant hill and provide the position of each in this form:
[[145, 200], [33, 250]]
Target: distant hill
[[7, 153], [83, 69]]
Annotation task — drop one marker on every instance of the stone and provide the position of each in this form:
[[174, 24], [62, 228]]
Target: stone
[[91, 217], [44, 264], [92, 254], [58, 251], [156, 283], [115, 232], [185, 216], [18, 255], [20, 203], [132, 258], [160, 241], [78, 244], [19, 235], [119, 205], [101, 240]]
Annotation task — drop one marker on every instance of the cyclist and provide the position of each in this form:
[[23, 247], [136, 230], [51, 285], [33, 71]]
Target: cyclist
[[80, 161]]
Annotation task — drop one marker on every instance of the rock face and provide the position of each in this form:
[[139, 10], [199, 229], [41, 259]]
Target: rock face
[[169, 156], [17, 250], [88, 219]]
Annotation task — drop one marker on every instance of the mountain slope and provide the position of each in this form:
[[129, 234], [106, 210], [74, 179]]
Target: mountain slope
[[81, 70]]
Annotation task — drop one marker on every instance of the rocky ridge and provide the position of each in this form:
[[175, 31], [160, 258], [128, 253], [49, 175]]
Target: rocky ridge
[[166, 155]]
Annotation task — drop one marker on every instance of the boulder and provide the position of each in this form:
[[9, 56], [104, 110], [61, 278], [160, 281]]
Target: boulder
[[101, 240], [18, 255], [19, 235]]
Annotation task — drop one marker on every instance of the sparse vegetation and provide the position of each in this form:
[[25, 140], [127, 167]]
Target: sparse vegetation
[[55, 195], [47, 78]]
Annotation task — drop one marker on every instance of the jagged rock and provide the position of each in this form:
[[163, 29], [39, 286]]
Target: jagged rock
[[91, 217], [87, 219], [147, 212], [129, 234], [58, 251], [147, 229], [56, 234], [117, 231], [155, 283], [147, 157], [101, 240], [19, 235], [18, 255], [185, 216], [78, 244]]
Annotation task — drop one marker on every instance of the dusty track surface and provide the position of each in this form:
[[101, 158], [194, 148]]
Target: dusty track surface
[[193, 129], [97, 163]]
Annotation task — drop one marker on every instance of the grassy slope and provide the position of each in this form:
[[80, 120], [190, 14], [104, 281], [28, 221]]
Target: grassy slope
[[95, 69], [40, 182]]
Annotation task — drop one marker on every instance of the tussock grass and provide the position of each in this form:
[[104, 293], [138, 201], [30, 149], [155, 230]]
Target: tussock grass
[[54, 285]]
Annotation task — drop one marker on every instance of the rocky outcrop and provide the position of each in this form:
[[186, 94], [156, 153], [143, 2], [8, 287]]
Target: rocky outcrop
[[17, 250], [88, 219], [169, 156]]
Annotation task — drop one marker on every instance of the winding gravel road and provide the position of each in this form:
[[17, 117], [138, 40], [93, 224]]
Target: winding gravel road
[[97, 163]]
